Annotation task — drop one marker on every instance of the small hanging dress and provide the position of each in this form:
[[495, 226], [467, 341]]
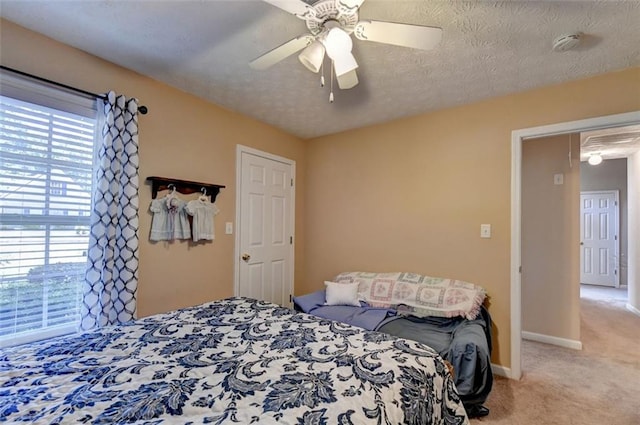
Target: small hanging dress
[[203, 213], [169, 219]]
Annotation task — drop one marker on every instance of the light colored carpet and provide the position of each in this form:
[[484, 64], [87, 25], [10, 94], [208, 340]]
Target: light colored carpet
[[599, 385]]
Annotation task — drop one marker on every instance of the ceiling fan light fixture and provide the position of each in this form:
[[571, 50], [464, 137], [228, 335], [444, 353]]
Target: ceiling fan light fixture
[[338, 43], [594, 159], [312, 56], [348, 80], [343, 64]]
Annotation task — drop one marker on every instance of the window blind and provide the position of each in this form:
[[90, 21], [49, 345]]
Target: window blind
[[46, 177]]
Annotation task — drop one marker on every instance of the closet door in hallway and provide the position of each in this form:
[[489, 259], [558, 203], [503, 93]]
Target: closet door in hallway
[[599, 242]]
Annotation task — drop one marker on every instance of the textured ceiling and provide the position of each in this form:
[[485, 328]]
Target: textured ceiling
[[203, 47], [611, 143]]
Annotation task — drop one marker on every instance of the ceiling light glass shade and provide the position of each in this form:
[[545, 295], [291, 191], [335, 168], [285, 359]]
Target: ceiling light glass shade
[[344, 64], [312, 56], [595, 159], [338, 43], [348, 80]]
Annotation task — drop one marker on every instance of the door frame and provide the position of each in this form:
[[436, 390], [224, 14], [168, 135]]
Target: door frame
[[616, 226], [517, 138], [240, 149]]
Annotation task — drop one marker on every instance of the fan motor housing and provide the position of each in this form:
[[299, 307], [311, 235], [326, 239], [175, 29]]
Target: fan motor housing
[[326, 11]]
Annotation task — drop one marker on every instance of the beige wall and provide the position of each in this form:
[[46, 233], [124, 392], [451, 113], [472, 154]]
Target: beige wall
[[182, 137], [550, 237], [611, 174], [411, 194], [633, 186]]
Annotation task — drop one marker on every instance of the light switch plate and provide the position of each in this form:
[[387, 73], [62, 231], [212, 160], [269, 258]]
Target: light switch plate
[[228, 228], [558, 179], [485, 230]]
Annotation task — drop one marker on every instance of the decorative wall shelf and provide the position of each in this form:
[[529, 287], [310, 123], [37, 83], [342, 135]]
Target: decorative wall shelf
[[183, 186]]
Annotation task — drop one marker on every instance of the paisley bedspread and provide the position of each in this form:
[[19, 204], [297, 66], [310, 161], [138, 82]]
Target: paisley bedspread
[[231, 361]]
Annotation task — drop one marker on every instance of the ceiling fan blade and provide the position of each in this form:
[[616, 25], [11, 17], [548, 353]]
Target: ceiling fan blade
[[347, 80], [348, 7], [296, 7], [281, 52], [406, 35]]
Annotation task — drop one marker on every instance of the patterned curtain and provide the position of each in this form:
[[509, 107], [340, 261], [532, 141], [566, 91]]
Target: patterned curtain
[[109, 291]]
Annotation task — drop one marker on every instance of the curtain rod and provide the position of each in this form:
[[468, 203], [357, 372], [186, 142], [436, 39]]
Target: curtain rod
[[142, 109]]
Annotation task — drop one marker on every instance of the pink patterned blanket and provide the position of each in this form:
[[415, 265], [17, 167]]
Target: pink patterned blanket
[[417, 295]]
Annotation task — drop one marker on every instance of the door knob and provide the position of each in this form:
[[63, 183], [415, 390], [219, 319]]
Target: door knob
[[246, 257]]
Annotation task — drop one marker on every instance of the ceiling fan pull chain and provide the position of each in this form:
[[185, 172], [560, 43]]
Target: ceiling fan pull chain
[[322, 74], [331, 93]]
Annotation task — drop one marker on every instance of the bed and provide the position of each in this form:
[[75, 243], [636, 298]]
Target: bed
[[447, 315], [231, 361]]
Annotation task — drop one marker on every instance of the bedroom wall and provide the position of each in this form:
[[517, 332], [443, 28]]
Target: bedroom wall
[[182, 137], [550, 237], [611, 174], [633, 185], [411, 194]]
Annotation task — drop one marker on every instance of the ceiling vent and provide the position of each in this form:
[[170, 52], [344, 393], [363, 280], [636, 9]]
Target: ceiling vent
[[566, 42], [616, 138]]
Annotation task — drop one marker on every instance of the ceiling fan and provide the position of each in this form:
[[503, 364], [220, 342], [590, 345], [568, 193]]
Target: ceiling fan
[[330, 24]]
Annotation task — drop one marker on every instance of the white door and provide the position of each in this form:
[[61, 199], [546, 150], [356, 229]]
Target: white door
[[265, 217], [599, 238]]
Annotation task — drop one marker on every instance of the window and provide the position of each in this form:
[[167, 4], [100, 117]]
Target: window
[[58, 188], [47, 139]]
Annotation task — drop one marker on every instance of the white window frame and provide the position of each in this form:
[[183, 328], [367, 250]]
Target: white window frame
[[55, 97]]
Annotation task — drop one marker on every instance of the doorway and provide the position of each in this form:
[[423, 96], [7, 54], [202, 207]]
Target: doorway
[[517, 138], [264, 266]]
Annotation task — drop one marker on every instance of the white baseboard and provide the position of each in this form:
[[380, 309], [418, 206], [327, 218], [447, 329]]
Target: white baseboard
[[553, 340], [505, 372], [633, 309]]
